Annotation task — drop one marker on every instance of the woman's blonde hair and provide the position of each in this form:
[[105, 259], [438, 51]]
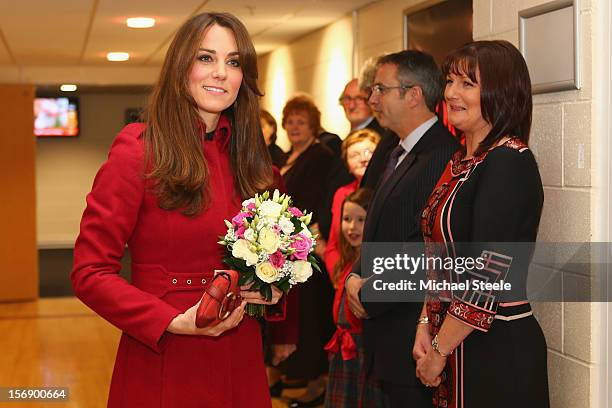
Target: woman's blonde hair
[[356, 137]]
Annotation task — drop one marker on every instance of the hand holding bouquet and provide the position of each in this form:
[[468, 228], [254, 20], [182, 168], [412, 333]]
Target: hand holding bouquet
[[269, 243]]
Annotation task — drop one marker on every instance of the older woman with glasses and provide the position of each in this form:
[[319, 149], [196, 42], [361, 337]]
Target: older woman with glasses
[[357, 150]]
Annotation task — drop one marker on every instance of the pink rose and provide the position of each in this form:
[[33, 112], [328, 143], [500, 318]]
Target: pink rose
[[302, 245], [295, 211], [276, 228], [277, 259], [240, 231], [238, 220], [251, 207]]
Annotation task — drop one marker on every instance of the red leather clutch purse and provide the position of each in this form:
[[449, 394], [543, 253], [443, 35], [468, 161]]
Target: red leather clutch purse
[[220, 298]]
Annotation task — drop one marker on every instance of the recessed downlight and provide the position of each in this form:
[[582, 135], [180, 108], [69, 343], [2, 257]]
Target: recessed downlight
[[68, 87], [140, 22], [117, 56]]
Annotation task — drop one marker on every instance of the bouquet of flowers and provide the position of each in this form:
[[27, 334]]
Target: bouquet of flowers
[[269, 243]]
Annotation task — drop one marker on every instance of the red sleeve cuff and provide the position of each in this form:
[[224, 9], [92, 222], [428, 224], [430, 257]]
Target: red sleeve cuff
[[479, 319]]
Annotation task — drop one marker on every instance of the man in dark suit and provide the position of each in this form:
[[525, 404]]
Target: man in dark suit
[[406, 89], [354, 101]]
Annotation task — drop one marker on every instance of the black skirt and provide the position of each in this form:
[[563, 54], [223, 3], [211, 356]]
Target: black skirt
[[316, 325], [502, 368]]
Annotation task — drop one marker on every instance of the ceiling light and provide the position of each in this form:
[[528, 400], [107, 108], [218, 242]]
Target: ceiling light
[[117, 56], [140, 22], [68, 87]]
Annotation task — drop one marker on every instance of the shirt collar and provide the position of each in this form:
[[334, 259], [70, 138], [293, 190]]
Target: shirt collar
[[413, 137], [363, 124]]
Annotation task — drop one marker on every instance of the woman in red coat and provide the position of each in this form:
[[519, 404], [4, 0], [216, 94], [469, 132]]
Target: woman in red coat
[[164, 191]]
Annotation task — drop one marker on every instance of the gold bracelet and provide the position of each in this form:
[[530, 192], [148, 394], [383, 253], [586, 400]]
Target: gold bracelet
[[423, 320], [436, 347]]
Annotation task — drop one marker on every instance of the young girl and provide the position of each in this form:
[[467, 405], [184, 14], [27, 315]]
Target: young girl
[[347, 385]]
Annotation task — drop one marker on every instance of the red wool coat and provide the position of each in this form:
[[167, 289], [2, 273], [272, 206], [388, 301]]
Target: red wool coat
[[173, 256]]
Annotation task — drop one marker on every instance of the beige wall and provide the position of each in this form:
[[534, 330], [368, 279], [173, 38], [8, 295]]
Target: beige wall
[[564, 124], [319, 64], [562, 131], [80, 74], [65, 168]]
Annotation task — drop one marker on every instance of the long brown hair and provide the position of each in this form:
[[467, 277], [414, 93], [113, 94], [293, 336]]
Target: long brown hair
[[349, 254], [505, 87], [172, 139], [269, 119]]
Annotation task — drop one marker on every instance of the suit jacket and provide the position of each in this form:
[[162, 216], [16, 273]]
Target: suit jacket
[[394, 216], [378, 162], [339, 175]]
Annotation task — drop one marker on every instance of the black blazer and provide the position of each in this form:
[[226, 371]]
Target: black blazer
[[376, 167], [394, 216]]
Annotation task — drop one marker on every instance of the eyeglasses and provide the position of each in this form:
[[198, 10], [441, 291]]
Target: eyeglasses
[[347, 99], [365, 154], [380, 89]]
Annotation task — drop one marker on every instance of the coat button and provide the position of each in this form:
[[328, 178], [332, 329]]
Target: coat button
[[189, 281], [174, 281], [203, 281]]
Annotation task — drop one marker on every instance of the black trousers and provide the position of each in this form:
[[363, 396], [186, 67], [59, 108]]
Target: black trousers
[[407, 396]]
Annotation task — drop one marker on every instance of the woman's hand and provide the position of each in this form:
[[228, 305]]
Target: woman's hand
[[321, 243], [185, 322], [280, 352], [320, 248], [253, 296], [422, 342], [430, 367]]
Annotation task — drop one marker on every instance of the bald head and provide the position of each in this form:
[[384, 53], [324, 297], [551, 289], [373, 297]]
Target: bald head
[[354, 102]]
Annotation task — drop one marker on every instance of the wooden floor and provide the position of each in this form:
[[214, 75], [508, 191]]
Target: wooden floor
[[59, 342]]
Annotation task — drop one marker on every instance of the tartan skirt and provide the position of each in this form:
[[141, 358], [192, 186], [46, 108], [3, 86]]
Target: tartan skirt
[[347, 385]]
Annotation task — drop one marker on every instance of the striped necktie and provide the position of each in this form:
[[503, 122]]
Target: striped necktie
[[392, 163]]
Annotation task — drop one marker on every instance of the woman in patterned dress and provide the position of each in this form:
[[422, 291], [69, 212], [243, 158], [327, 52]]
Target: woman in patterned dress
[[485, 349]]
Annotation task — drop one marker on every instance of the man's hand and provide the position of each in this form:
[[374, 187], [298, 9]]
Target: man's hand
[[353, 287]]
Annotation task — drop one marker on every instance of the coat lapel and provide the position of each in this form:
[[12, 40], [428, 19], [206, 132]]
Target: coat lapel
[[383, 190]]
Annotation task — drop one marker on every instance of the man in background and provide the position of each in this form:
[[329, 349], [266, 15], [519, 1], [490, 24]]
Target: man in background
[[354, 101]]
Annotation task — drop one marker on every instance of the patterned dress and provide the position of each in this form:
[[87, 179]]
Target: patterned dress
[[493, 198], [348, 386]]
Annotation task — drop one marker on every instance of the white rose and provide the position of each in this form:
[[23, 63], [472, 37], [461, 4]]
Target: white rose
[[266, 272], [270, 209], [286, 225], [269, 240], [302, 270], [242, 250], [249, 234], [247, 202]]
